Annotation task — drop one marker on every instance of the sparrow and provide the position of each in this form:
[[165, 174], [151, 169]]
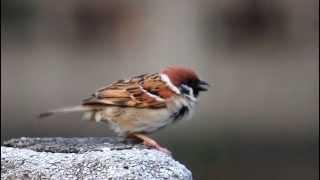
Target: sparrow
[[143, 104]]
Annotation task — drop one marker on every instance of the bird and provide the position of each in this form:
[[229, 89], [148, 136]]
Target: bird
[[143, 104]]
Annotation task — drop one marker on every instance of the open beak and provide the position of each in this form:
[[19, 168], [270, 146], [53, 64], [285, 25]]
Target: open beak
[[203, 85]]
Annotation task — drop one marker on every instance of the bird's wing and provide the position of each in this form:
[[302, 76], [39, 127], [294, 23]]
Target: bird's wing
[[144, 91]]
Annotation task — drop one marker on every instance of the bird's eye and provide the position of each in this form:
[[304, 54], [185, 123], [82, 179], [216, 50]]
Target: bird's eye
[[185, 89]]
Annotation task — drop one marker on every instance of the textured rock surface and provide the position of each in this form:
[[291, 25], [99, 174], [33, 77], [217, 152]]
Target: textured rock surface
[[86, 158]]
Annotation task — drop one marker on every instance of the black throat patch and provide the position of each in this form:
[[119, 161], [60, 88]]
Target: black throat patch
[[181, 113]]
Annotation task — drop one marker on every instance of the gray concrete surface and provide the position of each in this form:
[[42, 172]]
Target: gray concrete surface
[[86, 158]]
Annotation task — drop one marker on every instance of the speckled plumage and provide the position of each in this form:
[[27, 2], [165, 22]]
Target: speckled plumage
[[143, 104]]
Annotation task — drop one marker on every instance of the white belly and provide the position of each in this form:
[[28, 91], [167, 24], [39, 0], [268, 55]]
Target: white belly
[[124, 120]]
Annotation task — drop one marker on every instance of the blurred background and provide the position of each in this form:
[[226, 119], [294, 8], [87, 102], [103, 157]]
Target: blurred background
[[258, 121]]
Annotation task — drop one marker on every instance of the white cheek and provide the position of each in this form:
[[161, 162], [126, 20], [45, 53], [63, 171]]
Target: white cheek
[[191, 96]]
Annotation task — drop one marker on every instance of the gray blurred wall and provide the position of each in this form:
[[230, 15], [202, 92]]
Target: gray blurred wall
[[262, 58]]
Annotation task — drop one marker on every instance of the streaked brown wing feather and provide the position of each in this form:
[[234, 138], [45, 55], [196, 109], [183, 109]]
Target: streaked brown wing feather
[[140, 92], [158, 88]]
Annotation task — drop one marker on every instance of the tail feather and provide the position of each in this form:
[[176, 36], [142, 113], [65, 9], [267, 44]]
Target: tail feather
[[79, 108]]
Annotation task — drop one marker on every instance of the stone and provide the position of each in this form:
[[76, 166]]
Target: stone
[[86, 158]]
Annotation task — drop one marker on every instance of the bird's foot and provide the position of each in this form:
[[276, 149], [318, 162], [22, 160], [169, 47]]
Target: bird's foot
[[150, 143]]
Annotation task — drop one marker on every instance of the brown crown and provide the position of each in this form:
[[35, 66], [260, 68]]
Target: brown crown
[[179, 75]]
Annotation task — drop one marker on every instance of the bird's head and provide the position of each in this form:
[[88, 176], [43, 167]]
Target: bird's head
[[186, 80]]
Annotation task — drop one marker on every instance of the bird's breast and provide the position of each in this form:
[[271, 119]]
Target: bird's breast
[[125, 120]]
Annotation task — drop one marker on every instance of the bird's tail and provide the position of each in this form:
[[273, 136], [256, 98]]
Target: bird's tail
[[79, 108]]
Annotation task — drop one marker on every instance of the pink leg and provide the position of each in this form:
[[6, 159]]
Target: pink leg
[[150, 142]]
